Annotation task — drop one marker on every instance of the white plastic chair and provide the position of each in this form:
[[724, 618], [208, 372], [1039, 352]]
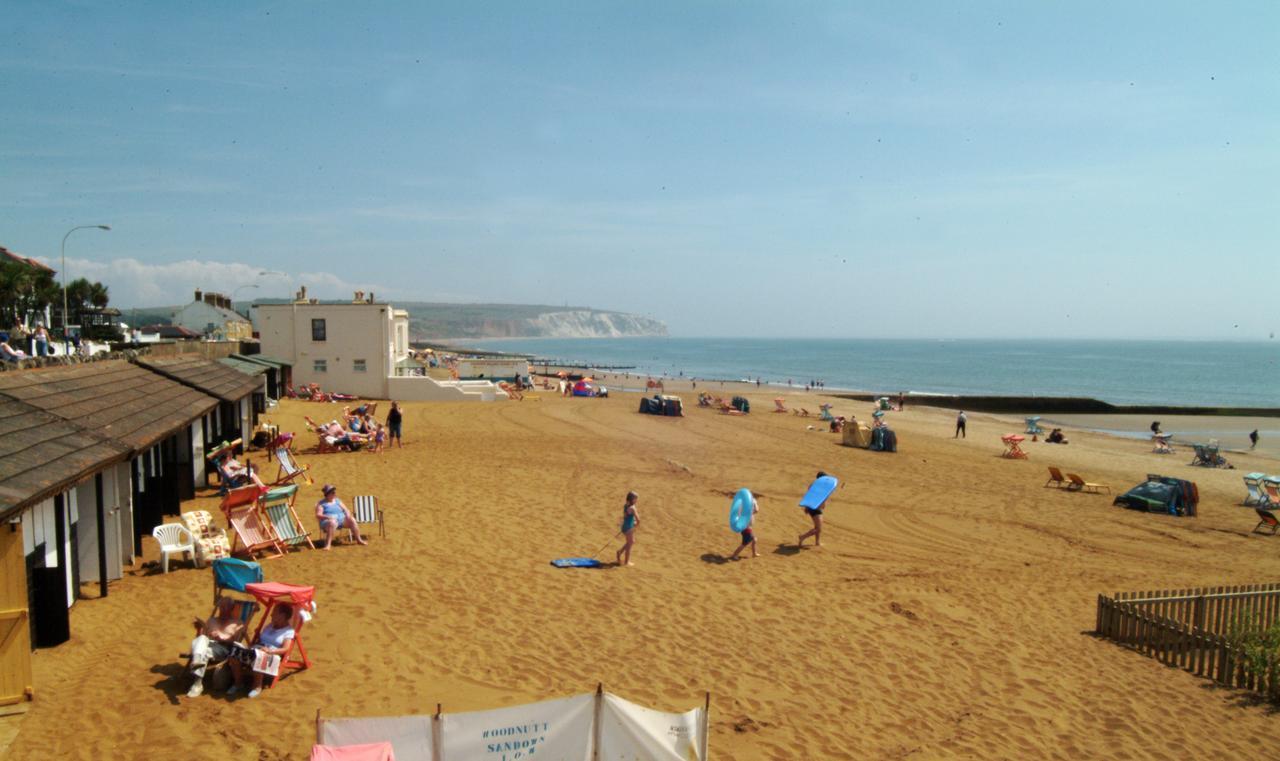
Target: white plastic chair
[[173, 538]]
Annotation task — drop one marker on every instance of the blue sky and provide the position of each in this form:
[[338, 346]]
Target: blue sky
[[922, 169]]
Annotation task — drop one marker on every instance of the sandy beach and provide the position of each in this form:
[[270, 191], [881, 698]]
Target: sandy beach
[[947, 615]]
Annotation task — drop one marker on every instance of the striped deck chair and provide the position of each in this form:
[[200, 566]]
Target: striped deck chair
[[1268, 521], [366, 510], [289, 468], [278, 505], [252, 532], [1253, 482]]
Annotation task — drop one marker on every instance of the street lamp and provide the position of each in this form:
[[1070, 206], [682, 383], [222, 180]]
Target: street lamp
[[238, 289], [66, 339]]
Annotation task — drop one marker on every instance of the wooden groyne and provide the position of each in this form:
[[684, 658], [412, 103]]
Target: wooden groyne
[[1046, 405]]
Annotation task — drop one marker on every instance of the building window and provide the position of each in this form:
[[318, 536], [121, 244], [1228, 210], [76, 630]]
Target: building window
[[317, 330], [320, 365], [357, 365]]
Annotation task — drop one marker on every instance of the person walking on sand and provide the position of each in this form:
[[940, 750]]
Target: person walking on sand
[[334, 515], [394, 419], [630, 520], [749, 533], [1253, 439], [961, 419], [815, 514]]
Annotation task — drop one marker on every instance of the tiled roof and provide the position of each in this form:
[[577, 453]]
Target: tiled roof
[[42, 455], [113, 399], [211, 377]]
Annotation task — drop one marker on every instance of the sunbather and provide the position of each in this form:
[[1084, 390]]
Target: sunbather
[[213, 641], [238, 473], [334, 515], [272, 640], [1055, 437]]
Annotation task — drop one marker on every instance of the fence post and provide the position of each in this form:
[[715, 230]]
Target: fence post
[[1198, 615]]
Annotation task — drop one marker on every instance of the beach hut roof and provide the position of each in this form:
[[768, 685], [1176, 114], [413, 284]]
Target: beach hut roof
[[113, 399], [245, 366], [205, 375], [263, 359], [42, 455]]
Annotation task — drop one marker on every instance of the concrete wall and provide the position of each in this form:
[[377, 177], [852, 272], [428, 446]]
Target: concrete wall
[[353, 332], [422, 389]]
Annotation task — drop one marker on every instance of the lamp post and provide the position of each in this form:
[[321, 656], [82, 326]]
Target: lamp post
[[66, 339], [238, 289]]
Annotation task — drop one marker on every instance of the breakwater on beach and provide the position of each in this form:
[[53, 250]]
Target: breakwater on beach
[[1049, 405]]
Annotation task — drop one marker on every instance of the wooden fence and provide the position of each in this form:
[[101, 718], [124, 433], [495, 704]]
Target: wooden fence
[[1198, 630]]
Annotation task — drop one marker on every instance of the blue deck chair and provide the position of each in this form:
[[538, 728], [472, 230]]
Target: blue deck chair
[[1033, 425], [233, 574], [1256, 496]]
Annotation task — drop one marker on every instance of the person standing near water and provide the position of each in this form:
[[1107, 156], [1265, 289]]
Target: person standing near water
[[1253, 438], [960, 423], [630, 520]]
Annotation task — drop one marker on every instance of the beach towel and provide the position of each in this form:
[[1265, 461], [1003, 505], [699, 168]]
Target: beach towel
[[576, 563]]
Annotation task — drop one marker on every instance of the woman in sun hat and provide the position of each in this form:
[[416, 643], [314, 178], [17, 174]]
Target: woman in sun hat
[[334, 515]]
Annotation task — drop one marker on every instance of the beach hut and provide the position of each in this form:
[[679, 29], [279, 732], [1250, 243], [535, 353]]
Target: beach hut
[[235, 416], [279, 373], [156, 419], [259, 397], [44, 461]]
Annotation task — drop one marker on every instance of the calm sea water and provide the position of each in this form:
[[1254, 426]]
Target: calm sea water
[[1227, 374]]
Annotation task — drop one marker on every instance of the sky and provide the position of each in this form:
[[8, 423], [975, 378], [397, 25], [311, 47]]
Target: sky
[[1056, 170]]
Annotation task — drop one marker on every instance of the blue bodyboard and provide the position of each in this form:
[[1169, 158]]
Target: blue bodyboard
[[819, 491], [740, 510], [576, 563]]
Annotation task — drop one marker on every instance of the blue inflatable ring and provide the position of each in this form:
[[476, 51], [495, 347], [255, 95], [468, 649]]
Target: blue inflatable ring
[[740, 510]]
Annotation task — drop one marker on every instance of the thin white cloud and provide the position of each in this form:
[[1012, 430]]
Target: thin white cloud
[[133, 283]]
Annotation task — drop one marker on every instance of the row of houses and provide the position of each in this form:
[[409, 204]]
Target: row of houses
[[92, 457]]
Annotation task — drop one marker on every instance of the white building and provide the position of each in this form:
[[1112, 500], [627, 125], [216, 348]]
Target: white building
[[352, 348], [211, 315]]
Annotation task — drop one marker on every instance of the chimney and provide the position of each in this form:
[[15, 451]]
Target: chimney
[[359, 297], [301, 295], [199, 295], [370, 297]]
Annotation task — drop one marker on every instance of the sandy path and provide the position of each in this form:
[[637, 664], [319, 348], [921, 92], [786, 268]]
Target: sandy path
[[946, 616]]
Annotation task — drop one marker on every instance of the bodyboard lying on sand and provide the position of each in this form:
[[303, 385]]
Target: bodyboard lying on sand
[[576, 563], [740, 510], [818, 492]]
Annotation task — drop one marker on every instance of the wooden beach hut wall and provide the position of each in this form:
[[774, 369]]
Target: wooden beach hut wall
[[150, 415], [235, 416], [44, 461], [279, 373]]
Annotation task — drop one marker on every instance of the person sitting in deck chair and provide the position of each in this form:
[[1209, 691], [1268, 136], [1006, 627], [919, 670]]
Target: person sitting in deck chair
[[272, 640], [213, 642], [237, 473], [334, 515]]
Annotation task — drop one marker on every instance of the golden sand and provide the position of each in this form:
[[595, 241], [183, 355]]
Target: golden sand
[[948, 614]]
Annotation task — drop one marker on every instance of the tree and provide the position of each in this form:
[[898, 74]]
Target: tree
[[25, 291]]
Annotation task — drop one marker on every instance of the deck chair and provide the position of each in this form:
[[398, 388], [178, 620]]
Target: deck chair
[[1013, 446], [1267, 521], [253, 534], [244, 495], [1256, 495], [1079, 484], [826, 413], [778, 405], [271, 594], [233, 574], [289, 468], [1056, 479], [278, 506], [1270, 493], [366, 510], [1033, 426]]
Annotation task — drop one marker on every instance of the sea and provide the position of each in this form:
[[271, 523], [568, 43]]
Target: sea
[[1181, 373]]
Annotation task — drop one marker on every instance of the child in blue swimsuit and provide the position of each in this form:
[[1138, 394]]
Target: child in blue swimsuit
[[630, 519]]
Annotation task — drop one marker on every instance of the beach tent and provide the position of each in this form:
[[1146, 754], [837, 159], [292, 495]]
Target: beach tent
[[1162, 494], [669, 406], [856, 435], [584, 387], [741, 404], [883, 439]]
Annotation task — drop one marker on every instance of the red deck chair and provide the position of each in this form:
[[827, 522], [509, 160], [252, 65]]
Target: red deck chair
[[252, 532], [273, 593], [1012, 446]]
